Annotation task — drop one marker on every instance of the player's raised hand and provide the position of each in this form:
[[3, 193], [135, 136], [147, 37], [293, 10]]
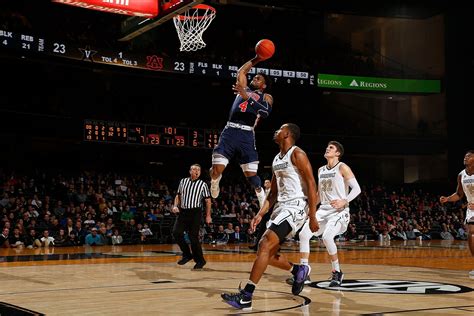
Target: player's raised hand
[[239, 89]]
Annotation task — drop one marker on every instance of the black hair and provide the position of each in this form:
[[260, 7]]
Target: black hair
[[268, 81], [294, 130], [339, 147]]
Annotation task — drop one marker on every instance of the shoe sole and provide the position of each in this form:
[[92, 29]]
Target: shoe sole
[[245, 309], [198, 268], [290, 282], [183, 263]]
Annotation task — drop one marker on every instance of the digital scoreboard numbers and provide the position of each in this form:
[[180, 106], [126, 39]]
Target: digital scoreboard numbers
[[136, 134], [197, 138], [94, 131], [37, 44], [105, 131], [212, 139], [145, 134], [116, 132]]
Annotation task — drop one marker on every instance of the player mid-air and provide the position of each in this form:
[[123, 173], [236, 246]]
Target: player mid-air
[[237, 140]]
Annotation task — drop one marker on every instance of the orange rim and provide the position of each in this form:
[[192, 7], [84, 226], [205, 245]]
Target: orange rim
[[199, 6]]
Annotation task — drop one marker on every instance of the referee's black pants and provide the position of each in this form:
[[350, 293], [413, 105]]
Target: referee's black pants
[[189, 220]]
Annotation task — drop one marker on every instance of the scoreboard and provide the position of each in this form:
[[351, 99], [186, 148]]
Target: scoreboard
[[28, 44], [146, 134]]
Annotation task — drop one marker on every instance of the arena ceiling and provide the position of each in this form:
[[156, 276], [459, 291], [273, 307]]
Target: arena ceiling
[[416, 9]]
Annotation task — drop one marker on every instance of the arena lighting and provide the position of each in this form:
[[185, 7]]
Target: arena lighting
[[140, 8]]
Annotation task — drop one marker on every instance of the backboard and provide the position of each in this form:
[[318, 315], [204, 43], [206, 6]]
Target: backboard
[[135, 26]]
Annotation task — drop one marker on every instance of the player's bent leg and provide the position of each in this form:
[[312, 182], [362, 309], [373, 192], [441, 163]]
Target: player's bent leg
[[268, 247], [304, 237], [219, 162], [250, 171], [280, 261], [470, 238]]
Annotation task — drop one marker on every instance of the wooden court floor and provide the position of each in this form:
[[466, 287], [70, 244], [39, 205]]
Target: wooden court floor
[[411, 278]]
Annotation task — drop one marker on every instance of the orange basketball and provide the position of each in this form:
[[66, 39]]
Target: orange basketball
[[265, 48]]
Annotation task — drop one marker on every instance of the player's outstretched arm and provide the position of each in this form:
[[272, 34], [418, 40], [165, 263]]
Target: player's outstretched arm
[[456, 196], [244, 69], [301, 161]]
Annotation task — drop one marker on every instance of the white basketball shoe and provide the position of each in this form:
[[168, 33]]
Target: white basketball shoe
[[215, 190]]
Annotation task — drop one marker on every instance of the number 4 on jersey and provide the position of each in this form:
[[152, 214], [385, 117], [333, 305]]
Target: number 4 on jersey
[[243, 106]]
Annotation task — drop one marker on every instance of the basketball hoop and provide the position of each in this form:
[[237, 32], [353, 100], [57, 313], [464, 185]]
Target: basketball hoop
[[191, 24]]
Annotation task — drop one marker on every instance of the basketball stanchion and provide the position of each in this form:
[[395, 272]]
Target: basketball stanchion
[[191, 24]]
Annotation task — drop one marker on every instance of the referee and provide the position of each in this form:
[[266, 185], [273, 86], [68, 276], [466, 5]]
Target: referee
[[188, 204]]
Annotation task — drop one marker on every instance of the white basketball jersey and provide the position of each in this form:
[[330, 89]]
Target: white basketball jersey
[[331, 184], [467, 182], [289, 181]]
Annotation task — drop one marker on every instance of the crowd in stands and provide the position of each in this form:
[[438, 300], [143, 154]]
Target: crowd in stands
[[108, 209]]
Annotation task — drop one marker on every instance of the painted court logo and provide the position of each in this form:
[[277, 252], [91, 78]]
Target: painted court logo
[[394, 287]]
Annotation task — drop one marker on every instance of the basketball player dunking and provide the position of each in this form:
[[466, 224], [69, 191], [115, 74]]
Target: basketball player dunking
[[466, 187], [238, 137]]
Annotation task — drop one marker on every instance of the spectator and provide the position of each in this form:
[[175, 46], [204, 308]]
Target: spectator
[[116, 237], [4, 238], [73, 240], [373, 233], [46, 240], [384, 236], [230, 229], [446, 234], [16, 240], [32, 241], [221, 235], [93, 238], [237, 236], [145, 233], [61, 239]]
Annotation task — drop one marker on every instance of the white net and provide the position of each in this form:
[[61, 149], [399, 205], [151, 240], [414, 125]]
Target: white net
[[191, 24]]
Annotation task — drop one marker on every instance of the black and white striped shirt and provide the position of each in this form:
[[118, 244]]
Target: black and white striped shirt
[[192, 192]]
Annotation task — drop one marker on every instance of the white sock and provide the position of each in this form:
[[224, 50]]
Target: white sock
[[335, 265], [304, 261]]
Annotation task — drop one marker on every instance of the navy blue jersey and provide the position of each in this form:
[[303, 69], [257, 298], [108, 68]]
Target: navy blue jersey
[[245, 111]]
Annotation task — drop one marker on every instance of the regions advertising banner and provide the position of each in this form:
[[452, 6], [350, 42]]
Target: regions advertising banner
[[378, 84]]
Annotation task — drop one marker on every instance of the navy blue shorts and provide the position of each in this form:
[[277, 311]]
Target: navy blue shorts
[[237, 143]]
